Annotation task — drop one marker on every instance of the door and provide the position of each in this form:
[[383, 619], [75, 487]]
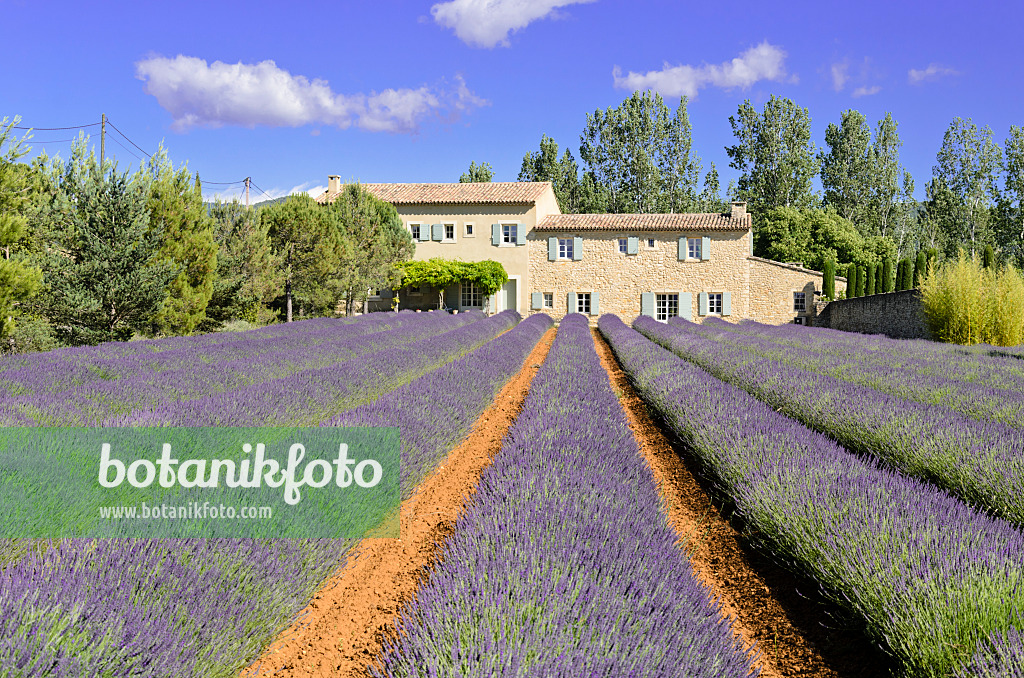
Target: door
[[508, 296]]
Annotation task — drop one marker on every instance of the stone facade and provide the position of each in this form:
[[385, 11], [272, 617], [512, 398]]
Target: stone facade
[[772, 288], [895, 314]]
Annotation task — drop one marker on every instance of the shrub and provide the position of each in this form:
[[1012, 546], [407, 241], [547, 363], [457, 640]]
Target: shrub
[[965, 303]]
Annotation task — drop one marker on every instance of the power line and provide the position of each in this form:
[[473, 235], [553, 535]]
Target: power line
[[114, 139], [222, 183], [252, 183], [54, 141], [54, 129], [148, 155]]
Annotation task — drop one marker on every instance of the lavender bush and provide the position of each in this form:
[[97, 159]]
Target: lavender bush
[[930, 576], [981, 462], [435, 412], [564, 565]]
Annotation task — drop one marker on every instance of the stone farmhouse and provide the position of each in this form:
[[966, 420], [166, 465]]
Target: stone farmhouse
[[661, 265]]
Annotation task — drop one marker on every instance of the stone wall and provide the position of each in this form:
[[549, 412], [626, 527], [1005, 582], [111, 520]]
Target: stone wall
[[772, 285], [620, 279], [894, 314]]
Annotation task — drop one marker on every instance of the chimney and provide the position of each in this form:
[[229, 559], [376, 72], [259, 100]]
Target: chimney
[[739, 209], [333, 184]]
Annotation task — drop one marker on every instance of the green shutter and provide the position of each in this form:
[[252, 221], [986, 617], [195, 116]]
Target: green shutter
[[726, 303], [552, 248], [686, 305], [438, 231], [593, 303], [683, 251], [647, 304], [570, 302], [495, 234], [424, 232], [537, 300], [577, 249], [705, 249], [632, 245], [520, 234], [702, 303]]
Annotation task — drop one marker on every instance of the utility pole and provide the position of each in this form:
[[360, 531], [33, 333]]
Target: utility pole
[[247, 179], [103, 139]]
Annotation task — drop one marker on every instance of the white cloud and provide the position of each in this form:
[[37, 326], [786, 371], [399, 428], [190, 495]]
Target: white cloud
[[487, 23], [934, 71], [198, 94], [866, 91], [840, 74], [764, 62]]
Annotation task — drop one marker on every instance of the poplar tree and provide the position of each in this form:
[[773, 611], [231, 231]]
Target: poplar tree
[[482, 173], [847, 166], [1010, 233]]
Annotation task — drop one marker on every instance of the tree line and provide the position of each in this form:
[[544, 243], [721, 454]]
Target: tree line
[[639, 157], [91, 254]]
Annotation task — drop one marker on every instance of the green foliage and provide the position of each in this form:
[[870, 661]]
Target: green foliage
[[846, 168], [1010, 221], [920, 268], [813, 236], [32, 334], [176, 208], [441, 273], [869, 285], [104, 276], [545, 165], [852, 278], [888, 280], [18, 279], [481, 173], [828, 284], [988, 257], [862, 280], [638, 157], [378, 243], [965, 303], [775, 155]]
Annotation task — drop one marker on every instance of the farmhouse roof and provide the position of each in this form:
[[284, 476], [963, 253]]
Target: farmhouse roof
[[644, 222], [496, 192]]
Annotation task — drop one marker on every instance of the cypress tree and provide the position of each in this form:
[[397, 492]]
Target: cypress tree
[[851, 281], [862, 280], [869, 285], [920, 267], [988, 257], [888, 284], [828, 282], [908, 274]]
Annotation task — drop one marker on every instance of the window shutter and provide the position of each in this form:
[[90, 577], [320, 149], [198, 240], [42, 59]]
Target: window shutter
[[632, 245], [705, 249], [686, 305], [647, 304], [683, 248], [438, 231], [537, 300], [726, 303], [520, 234], [495, 234], [577, 249], [570, 302], [702, 303], [594, 297], [552, 248], [424, 232]]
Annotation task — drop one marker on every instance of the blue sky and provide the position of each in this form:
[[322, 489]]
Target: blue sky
[[414, 91]]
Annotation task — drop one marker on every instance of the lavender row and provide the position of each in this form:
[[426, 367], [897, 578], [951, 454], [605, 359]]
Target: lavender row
[[913, 357], [310, 397], [154, 607], [930, 576], [934, 386], [436, 411], [90, 366], [144, 389], [980, 461], [563, 564]]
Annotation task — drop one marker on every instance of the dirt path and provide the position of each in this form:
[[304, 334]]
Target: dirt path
[[341, 629], [795, 635]]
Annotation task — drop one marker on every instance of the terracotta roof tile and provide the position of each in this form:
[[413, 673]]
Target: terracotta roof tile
[[643, 222], [497, 192]]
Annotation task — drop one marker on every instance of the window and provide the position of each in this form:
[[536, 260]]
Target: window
[[509, 233], [650, 243], [373, 293], [565, 248], [469, 230], [623, 245], [470, 295], [583, 303], [693, 248], [449, 232], [549, 300], [666, 306], [415, 228], [715, 302], [799, 301]]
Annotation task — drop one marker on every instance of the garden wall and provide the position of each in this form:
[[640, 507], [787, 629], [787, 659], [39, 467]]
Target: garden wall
[[894, 314]]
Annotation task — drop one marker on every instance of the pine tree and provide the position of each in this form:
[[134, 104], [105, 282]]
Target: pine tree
[[18, 280]]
